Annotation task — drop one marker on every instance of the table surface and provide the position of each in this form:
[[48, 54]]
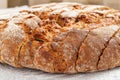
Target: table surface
[[9, 73]]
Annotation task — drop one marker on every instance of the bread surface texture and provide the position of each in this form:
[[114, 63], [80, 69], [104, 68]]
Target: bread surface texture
[[62, 38]]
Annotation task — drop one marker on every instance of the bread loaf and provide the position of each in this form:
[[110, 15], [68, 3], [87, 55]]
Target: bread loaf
[[62, 38]]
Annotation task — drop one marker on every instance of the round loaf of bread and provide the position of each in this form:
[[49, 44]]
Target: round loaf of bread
[[62, 38]]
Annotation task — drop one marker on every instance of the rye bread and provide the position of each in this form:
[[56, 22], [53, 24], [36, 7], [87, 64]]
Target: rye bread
[[61, 38]]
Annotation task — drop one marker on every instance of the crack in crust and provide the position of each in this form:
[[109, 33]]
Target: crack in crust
[[110, 56], [17, 60], [106, 45], [90, 49], [77, 57], [8, 52], [76, 40], [15, 34]]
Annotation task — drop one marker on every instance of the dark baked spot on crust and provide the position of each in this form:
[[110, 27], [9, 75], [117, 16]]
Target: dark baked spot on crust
[[89, 17]]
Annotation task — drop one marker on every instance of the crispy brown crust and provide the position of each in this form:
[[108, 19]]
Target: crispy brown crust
[[2, 26], [9, 53], [92, 48], [61, 38], [110, 56]]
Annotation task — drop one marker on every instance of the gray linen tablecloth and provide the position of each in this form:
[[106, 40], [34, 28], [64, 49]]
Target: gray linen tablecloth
[[9, 73]]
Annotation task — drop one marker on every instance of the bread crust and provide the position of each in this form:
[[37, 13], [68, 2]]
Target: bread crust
[[110, 56]]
